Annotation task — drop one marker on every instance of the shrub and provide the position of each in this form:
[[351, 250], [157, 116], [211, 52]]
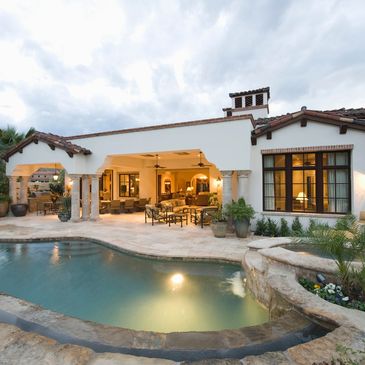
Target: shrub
[[344, 244], [284, 228], [261, 227], [297, 227], [272, 229], [240, 211]]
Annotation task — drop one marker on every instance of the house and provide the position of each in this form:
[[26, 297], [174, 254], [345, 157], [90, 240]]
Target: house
[[308, 163]]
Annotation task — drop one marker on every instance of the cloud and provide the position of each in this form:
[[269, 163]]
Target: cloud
[[69, 68]]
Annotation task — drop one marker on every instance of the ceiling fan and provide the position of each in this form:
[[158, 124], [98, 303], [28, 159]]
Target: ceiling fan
[[157, 165], [201, 164]]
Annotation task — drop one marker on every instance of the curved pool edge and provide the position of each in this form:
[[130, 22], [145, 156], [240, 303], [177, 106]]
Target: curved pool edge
[[137, 253], [279, 334], [272, 274]]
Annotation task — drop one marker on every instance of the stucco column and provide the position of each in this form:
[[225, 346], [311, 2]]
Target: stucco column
[[242, 183], [94, 197], [12, 189], [23, 193], [75, 198], [85, 197], [227, 187]]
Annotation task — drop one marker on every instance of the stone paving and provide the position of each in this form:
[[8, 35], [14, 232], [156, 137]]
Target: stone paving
[[130, 232]]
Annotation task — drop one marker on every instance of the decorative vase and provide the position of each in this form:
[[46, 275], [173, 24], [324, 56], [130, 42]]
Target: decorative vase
[[64, 216], [19, 210], [4, 208], [219, 229], [242, 228]]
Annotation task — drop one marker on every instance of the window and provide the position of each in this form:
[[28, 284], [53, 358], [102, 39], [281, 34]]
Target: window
[[238, 102], [260, 99], [248, 100], [307, 182], [128, 185]]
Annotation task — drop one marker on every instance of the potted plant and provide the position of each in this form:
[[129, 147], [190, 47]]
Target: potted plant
[[65, 211], [19, 209], [219, 223], [241, 214], [4, 204]]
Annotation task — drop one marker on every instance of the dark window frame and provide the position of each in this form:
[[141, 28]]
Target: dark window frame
[[319, 168], [124, 195], [248, 101], [259, 99], [238, 102]]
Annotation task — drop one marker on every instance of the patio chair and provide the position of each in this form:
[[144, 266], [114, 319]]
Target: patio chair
[[155, 214], [115, 207], [141, 205], [129, 206], [204, 215]]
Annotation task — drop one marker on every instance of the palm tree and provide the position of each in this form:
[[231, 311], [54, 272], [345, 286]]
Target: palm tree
[[9, 137]]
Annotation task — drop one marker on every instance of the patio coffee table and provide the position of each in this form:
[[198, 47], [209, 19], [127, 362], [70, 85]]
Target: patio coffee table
[[177, 218]]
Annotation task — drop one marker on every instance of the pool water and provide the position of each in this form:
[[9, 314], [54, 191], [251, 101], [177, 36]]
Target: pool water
[[313, 250], [93, 282]]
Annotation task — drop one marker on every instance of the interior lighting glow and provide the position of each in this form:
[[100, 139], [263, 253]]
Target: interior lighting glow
[[177, 279]]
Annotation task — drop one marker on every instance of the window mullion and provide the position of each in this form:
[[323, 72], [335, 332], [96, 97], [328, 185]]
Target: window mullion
[[288, 183], [319, 182]]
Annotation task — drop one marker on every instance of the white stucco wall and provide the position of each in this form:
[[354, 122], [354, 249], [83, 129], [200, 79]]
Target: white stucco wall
[[226, 144], [315, 134]]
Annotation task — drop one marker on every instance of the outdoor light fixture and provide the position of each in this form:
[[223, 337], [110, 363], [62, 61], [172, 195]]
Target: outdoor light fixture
[[321, 278], [55, 175], [219, 181], [177, 280]]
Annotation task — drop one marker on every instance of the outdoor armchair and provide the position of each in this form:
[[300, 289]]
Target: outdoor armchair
[[129, 205], [115, 207], [155, 214]]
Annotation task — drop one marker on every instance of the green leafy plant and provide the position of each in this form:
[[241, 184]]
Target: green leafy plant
[[296, 227], [272, 229], [240, 211], [344, 243], [284, 230], [260, 227], [220, 215]]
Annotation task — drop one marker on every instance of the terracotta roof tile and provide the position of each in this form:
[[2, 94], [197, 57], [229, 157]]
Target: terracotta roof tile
[[53, 140], [249, 92]]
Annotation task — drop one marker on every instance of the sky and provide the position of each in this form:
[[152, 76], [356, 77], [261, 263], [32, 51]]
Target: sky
[[71, 67]]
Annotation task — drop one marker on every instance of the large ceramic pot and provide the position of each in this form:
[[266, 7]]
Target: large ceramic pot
[[242, 228], [4, 208], [19, 210], [219, 229], [64, 216]]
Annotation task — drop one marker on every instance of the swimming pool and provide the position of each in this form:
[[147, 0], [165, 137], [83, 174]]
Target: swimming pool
[[92, 282]]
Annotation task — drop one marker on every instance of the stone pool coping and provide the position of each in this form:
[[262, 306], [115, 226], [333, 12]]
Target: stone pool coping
[[282, 267], [276, 334]]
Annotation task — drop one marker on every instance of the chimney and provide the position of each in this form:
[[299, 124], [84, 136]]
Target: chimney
[[255, 102]]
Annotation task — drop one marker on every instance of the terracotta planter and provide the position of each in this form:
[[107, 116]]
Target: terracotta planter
[[4, 208], [19, 210], [242, 228], [219, 229]]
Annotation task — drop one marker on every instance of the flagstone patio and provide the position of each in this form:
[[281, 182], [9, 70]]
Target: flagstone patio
[[130, 232]]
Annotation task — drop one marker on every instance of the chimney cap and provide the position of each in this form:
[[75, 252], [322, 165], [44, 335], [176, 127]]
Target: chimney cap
[[251, 92], [303, 108]]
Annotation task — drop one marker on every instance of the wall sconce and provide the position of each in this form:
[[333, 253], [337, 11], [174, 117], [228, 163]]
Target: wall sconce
[[218, 182], [55, 175]]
